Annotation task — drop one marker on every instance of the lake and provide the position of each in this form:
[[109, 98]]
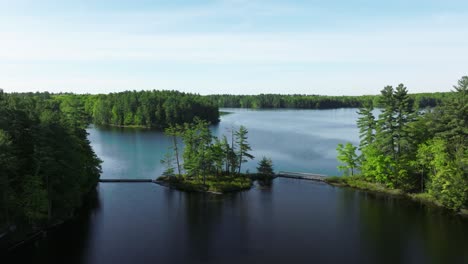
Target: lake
[[293, 221]]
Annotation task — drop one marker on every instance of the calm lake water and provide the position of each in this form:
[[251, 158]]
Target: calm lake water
[[293, 221]]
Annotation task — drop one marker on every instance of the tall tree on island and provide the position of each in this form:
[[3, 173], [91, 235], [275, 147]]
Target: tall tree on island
[[244, 147], [265, 167], [175, 132]]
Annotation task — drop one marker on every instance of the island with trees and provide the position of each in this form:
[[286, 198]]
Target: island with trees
[[210, 164], [421, 154]]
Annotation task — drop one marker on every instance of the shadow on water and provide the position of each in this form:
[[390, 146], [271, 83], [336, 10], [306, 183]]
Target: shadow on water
[[397, 230], [69, 239]]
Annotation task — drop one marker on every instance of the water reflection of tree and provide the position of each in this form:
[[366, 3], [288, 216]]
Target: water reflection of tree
[[395, 230], [219, 228], [203, 214], [66, 243]]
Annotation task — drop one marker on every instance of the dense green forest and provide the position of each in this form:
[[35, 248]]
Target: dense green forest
[[47, 165], [415, 151], [421, 100], [157, 109]]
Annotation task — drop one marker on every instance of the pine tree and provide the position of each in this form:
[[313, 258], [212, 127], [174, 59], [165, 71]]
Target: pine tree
[[244, 147], [366, 125], [265, 167], [175, 132]]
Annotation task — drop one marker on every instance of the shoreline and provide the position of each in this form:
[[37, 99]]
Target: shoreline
[[377, 188], [217, 185]]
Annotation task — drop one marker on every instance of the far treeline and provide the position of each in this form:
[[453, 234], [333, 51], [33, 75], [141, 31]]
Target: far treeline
[[47, 165], [421, 100], [423, 153], [155, 109], [160, 109]]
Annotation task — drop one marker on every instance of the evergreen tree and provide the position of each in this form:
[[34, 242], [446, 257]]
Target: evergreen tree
[[385, 135], [244, 147], [175, 132], [366, 125], [265, 167]]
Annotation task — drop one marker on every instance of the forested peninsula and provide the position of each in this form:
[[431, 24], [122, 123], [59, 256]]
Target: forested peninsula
[[422, 154], [152, 109], [47, 166]]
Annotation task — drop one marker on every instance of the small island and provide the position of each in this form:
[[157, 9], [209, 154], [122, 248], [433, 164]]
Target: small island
[[210, 164]]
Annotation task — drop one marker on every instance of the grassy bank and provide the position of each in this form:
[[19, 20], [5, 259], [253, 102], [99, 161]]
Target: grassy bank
[[212, 184], [361, 183], [221, 113]]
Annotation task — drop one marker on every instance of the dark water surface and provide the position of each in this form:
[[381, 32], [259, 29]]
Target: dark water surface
[[293, 221]]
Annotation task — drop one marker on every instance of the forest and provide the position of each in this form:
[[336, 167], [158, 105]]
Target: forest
[[155, 109], [298, 101], [423, 153], [47, 165]]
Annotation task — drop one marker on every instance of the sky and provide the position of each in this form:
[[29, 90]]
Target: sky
[[349, 47]]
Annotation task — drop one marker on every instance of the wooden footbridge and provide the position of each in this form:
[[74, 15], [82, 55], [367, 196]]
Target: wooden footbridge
[[281, 174], [126, 180], [301, 175]]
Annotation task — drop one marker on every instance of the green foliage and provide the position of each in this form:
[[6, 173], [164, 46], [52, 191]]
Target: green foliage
[[418, 151], [244, 147], [366, 124], [363, 184], [347, 156], [47, 164], [34, 202], [265, 167], [168, 163], [299, 101], [217, 184], [377, 166], [174, 132], [447, 182], [204, 156], [158, 109]]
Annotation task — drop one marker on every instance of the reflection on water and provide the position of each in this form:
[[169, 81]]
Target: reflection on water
[[289, 221]]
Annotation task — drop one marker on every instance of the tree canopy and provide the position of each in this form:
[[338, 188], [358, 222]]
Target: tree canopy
[[416, 151], [47, 165]]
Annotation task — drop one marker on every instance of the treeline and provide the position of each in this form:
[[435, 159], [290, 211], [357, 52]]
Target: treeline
[[157, 109], [421, 100], [416, 151], [47, 165]]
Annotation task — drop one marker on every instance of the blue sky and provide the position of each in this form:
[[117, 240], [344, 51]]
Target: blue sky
[[239, 47]]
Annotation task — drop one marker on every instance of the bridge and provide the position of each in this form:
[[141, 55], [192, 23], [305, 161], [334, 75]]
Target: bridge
[[301, 175], [281, 174], [126, 180]]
